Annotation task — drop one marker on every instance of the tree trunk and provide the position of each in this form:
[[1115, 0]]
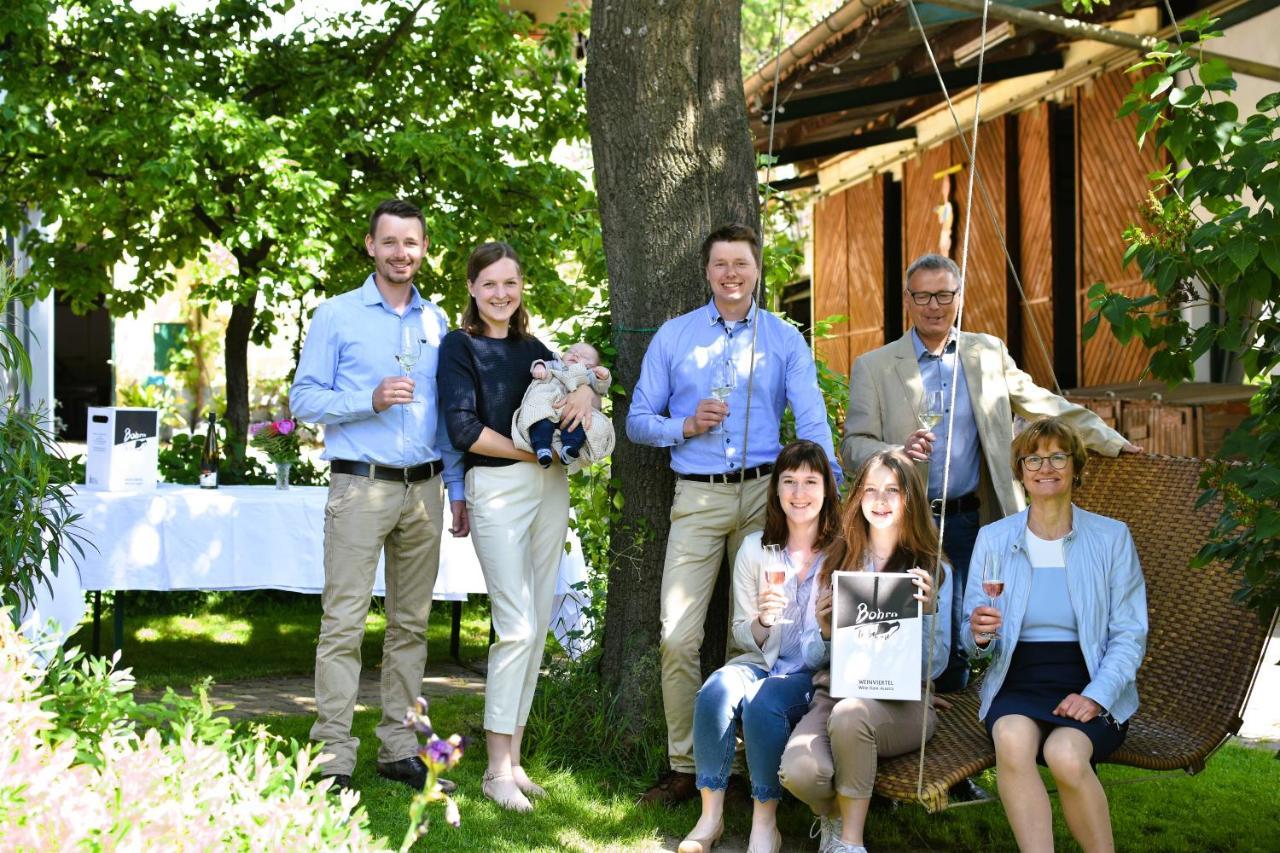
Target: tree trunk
[[673, 160], [236, 361]]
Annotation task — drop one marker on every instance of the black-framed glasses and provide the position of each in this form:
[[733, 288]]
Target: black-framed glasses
[[944, 297], [1035, 463]]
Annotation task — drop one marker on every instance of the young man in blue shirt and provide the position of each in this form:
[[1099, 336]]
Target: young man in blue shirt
[[721, 453], [386, 446]]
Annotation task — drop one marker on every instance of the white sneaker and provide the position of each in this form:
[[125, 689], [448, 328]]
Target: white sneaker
[[838, 846], [828, 831]]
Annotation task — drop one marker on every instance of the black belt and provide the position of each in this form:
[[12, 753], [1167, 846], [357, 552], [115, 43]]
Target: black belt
[[732, 477], [416, 474], [964, 503]]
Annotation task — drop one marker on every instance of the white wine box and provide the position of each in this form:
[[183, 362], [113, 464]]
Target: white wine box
[[124, 445]]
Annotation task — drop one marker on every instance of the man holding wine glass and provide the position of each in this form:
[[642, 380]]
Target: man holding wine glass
[[713, 388], [901, 394], [368, 373]]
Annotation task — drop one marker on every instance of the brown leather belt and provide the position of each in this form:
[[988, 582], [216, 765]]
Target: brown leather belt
[[416, 474], [964, 503], [732, 477]]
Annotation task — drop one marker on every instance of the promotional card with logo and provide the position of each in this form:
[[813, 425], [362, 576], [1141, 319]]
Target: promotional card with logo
[[875, 636]]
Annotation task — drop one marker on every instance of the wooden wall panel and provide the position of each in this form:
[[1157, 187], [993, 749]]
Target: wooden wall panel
[[1112, 184], [925, 228], [831, 276], [1035, 266], [985, 297], [864, 218]]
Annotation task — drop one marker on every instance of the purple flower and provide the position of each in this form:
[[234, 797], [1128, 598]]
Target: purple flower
[[284, 427], [254, 429], [437, 752]]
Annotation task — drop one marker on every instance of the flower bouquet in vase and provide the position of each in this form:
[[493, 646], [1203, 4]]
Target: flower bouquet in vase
[[279, 440]]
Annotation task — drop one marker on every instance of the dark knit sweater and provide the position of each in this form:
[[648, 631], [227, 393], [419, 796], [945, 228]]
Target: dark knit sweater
[[482, 381]]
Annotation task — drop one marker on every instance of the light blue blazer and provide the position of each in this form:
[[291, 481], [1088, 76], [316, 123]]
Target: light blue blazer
[[1108, 595]]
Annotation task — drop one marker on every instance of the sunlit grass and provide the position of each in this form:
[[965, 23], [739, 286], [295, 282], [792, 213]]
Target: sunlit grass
[[1232, 806], [231, 639]]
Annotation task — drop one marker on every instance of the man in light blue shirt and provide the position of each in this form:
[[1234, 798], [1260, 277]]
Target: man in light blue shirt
[[969, 447], [722, 450], [386, 446]]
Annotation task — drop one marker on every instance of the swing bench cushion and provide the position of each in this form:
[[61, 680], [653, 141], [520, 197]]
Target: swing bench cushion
[[1203, 649]]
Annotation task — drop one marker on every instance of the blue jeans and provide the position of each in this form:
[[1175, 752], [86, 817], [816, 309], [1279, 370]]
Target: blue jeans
[[957, 542], [768, 706]]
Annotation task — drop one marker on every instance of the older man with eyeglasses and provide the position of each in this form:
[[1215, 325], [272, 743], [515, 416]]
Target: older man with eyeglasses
[[888, 388]]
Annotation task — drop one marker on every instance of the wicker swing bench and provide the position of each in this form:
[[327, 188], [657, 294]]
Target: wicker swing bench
[[1203, 650]]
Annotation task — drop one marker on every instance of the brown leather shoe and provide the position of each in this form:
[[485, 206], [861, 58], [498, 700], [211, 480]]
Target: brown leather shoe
[[673, 788]]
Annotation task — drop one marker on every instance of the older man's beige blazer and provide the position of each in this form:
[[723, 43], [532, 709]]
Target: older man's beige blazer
[[885, 392]]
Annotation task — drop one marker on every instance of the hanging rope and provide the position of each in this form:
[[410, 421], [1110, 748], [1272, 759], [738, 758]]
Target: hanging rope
[[987, 204], [758, 296], [971, 151]]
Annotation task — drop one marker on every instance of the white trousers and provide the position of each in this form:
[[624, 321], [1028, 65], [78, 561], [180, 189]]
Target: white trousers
[[519, 517]]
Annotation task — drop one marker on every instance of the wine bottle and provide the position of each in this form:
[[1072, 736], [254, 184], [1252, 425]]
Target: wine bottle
[[209, 456]]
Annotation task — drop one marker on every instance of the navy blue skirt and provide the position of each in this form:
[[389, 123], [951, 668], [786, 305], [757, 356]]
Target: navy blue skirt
[[1040, 676]]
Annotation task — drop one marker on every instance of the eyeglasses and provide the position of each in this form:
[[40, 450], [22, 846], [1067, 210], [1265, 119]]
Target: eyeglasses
[[944, 297], [1035, 463]]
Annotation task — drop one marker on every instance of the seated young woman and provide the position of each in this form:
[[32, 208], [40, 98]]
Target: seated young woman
[[768, 687], [830, 760], [1065, 636]]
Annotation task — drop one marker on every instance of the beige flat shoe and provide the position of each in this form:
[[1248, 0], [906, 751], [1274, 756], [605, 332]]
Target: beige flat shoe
[[526, 785], [502, 789], [701, 843], [775, 847]]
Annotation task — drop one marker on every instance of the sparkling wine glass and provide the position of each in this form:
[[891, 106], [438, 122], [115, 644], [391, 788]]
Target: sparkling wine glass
[[410, 350], [776, 570], [724, 378], [992, 586], [930, 414]]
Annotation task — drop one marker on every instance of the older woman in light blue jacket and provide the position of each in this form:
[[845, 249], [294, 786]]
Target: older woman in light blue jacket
[[1065, 624]]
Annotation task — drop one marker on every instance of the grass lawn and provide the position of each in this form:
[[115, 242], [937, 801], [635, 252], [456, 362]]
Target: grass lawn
[[231, 637], [1233, 806]]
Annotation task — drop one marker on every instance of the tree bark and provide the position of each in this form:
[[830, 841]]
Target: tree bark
[[673, 160], [236, 361]]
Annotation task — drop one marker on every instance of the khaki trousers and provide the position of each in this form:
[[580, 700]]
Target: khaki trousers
[[362, 517], [519, 518], [834, 748], [705, 518]]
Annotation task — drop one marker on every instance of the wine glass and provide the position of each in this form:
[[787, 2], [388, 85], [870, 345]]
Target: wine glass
[[724, 378], [776, 571], [931, 409], [992, 586], [410, 349]]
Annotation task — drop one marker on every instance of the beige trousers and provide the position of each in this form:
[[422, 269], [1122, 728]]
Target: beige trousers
[[834, 748], [519, 518], [362, 517], [705, 518]]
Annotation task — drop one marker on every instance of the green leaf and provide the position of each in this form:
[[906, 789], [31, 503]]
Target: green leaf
[[1270, 102], [1214, 70], [1090, 327], [1270, 252], [1183, 98], [1242, 250]]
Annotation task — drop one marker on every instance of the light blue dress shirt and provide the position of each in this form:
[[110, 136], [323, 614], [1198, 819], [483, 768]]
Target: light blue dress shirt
[[350, 347], [960, 434], [676, 374], [799, 619]]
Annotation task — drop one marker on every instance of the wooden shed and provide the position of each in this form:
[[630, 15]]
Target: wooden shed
[[862, 117]]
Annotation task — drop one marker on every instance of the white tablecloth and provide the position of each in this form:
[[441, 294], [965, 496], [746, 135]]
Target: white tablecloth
[[242, 537]]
